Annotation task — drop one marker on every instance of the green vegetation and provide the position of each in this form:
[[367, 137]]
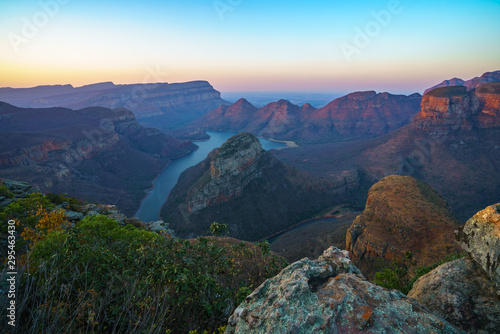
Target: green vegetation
[[4, 192], [449, 91], [100, 276], [397, 276], [218, 229]]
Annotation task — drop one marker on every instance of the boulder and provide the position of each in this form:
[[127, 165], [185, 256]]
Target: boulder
[[460, 292], [480, 238], [330, 295]]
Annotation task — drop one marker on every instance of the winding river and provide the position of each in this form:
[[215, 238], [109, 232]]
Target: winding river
[[165, 182]]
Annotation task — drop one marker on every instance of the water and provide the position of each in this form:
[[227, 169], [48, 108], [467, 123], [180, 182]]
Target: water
[[163, 184]]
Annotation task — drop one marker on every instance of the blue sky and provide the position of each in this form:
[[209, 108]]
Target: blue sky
[[252, 45]]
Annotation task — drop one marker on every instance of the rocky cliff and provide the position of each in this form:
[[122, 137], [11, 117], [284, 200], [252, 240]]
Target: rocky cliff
[[401, 215], [159, 105], [242, 185], [357, 115], [329, 295], [453, 108], [470, 84], [92, 153], [452, 144], [466, 292]]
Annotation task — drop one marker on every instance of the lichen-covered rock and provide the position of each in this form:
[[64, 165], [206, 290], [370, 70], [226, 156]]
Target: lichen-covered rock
[[480, 238], [330, 295], [462, 293]]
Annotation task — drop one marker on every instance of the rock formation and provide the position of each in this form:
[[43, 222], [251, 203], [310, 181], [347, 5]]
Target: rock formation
[[92, 153], [244, 186], [354, 116], [480, 238], [330, 295], [462, 293], [452, 144], [401, 215], [159, 105], [470, 84]]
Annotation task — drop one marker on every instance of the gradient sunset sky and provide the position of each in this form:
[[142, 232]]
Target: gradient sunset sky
[[249, 45]]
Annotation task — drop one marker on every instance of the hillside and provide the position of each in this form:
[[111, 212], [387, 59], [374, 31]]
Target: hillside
[[469, 84], [159, 105], [354, 116], [96, 154], [401, 215], [450, 145], [244, 186]]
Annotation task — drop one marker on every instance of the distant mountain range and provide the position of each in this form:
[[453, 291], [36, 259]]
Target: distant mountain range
[[96, 154], [354, 116], [453, 144], [470, 84], [160, 105]]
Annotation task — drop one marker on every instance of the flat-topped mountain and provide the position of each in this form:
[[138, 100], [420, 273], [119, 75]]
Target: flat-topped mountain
[[160, 105], [93, 153], [242, 185], [357, 115], [452, 144], [470, 84]]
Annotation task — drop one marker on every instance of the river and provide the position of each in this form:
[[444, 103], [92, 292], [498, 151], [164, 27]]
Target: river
[[165, 182]]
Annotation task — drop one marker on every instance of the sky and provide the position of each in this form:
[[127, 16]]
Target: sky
[[249, 45]]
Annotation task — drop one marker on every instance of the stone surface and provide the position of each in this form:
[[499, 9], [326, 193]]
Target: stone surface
[[401, 215], [460, 292], [330, 295], [480, 238]]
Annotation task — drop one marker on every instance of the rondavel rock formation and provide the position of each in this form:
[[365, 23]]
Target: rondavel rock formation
[[452, 145], [354, 116], [159, 105], [329, 295], [244, 186], [95, 153], [466, 292], [401, 215]]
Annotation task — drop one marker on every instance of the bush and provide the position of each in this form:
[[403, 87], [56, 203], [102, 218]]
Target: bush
[[103, 277], [218, 229]]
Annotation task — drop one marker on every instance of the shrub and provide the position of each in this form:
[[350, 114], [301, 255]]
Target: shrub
[[102, 277], [218, 229]]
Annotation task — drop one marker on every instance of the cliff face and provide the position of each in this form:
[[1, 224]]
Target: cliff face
[[470, 84], [452, 144], [357, 115], [453, 108], [159, 105], [93, 153], [401, 215], [242, 185]]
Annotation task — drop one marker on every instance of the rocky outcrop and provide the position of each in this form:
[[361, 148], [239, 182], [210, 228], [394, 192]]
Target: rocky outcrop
[[235, 164], [469, 84], [159, 105], [401, 215], [453, 108], [357, 115], [92, 153], [460, 292], [242, 185], [480, 238], [330, 295]]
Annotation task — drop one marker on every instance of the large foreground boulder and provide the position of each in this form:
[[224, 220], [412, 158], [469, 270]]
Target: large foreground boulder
[[330, 295], [462, 293], [480, 238]]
